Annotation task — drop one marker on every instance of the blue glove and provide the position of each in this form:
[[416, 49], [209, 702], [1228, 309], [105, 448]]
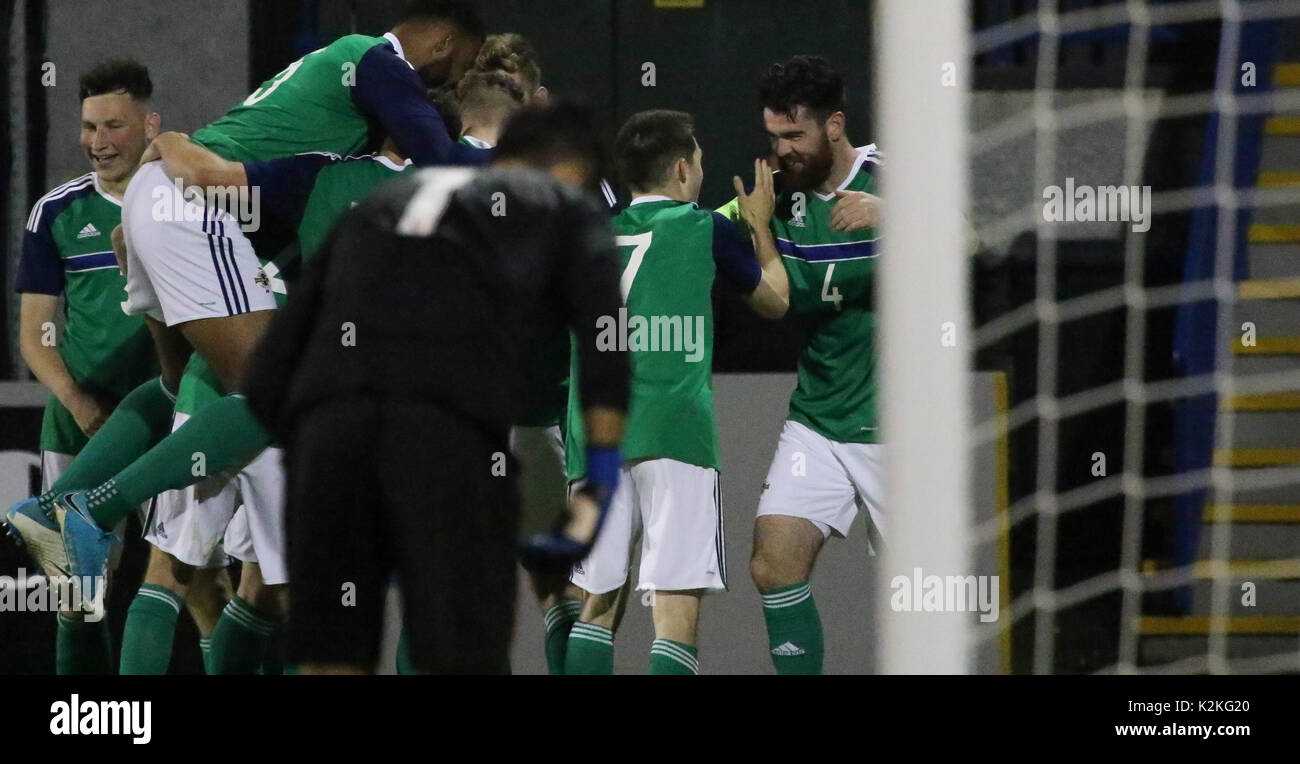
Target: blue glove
[[556, 552]]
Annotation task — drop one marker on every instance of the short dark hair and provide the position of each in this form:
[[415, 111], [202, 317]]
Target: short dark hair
[[649, 143], [545, 134], [463, 14], [117, 76], [807, 81], [511, 53]]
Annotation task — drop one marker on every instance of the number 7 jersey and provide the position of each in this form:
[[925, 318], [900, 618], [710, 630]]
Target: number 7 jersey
[[831, 276]]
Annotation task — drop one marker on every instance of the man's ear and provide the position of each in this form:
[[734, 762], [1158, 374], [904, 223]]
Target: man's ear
[[835, 126], [152, 125], [444, 45], [542, 95]]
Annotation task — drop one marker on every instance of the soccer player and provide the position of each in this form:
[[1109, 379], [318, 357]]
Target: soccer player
[[199, 279], [103, 354], [828, 463], [514, 55], [451, 303], [668, 496], [486, 99]]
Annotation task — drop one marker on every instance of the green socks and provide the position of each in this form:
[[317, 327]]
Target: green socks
[[223, 436], [404, 665], [590, 650], [669, 657], [794, 629], [150, 630], [239, 639], [559, 621], [83, 647], [205, 647], [140, 420]]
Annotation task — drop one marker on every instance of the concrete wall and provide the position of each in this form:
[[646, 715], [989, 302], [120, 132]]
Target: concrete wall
[[196, 51]]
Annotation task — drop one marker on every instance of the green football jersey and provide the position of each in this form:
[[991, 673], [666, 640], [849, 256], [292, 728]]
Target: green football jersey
[[831, 297], [336, 190], [306, 107], [666, 250], [66, 250]]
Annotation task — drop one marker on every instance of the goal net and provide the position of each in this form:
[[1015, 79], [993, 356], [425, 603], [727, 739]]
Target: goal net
[[1115, 441]]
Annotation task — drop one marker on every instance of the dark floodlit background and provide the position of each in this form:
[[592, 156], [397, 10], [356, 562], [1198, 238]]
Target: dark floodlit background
[[205, 57]]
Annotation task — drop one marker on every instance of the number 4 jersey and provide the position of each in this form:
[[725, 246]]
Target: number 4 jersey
[[830, 296]]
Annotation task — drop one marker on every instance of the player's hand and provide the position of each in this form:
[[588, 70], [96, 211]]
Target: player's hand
[[559, 550], [756, 208], [856, 211], [119, 247], [88, 410], [152, 152]]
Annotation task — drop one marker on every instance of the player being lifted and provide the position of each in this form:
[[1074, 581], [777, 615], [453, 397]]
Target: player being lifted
[[668, 494], [828, 462], [200, 279], [103, 353]]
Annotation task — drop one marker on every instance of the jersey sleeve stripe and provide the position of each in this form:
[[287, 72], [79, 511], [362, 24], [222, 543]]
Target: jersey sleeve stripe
[[90, 261], [72, 186], [821, 253]]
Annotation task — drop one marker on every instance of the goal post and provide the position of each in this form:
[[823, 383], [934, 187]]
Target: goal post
[[922, 74]]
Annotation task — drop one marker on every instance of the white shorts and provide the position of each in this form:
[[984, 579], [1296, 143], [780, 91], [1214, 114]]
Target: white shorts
[[676, 510], [186, 261], [53, 465], [824, 481], [246, 510]]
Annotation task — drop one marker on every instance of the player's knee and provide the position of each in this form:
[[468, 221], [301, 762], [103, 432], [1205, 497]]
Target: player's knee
[[601, 609], [769, 571], [183, 573]]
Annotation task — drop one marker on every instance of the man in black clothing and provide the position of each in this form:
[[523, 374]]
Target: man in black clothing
[[417, 337]]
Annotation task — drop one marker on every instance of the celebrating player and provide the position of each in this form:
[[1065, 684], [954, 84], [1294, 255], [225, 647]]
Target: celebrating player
[[668, 495], [828, 462], [197, 276], [103, 354]]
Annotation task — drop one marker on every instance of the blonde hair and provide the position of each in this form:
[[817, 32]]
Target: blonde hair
[[513, 54]]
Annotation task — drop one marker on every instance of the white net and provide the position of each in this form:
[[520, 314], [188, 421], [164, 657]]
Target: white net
[[1224, 597]]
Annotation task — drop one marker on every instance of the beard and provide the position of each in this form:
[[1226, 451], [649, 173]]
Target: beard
[[436, 75], [804, 172]]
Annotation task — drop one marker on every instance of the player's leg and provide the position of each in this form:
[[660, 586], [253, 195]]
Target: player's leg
[[82, 646], [683, 554], [185, 529], [603, 576], [205, 602], [805, 498], [559, 600], [256, 537], [676, 619], [151, 620]]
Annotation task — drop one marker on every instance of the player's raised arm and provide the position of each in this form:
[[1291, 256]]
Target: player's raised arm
[[770, 297]]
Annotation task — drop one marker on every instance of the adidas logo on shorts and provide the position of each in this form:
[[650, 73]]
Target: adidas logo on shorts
[[788, 649], [88, 231], [161, 532]]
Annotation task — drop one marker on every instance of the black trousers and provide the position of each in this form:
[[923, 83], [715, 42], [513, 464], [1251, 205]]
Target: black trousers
[[381, 486]]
